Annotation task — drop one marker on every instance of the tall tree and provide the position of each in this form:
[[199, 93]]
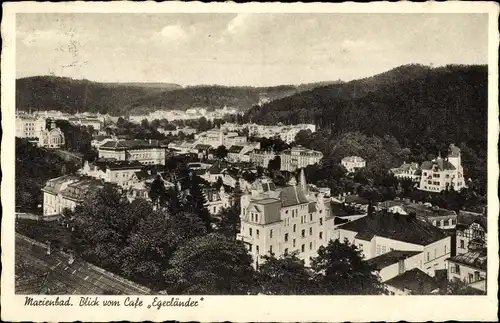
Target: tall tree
[[196, 201], [285, 275], [341, 270], [228, 222], [221, 152], [212, 264], [157, 192]]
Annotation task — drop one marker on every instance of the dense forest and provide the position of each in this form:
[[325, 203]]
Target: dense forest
[[68, 95]]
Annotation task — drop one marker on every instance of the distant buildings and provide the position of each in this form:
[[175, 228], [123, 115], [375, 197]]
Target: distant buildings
[[51, 138], [262, 157], [35, 130], [217, 200], [471, 232], [287, 133], [443, 173], [189, 114], [353, 163], [217, 137], [283, 220], [145, 152], [122, 173], [299, 157]]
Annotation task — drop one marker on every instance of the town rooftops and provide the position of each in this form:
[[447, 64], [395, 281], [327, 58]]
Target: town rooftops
[[300, 150], [54, 185], [292, 195], [356, 200], [352, 159], [475, 259], [235, 149], [415, 280], [79, 190], [202, 147], [39, 273], [129, 144], [113, 164], [406, 228], [391, 257], [406, 167]]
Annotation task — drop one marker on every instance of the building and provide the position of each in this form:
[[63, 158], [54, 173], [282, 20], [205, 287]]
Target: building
[[286, 133], [284, 220], [121, 172], [383, 232], [412, 282], [471, 232], [217, 200], [51, 138], [353, 163], [28, 126], [87, 121], [438, 217], [443, 173], [145, 152], [298, 157], [395, 262], [66, 192], [262, 157], [470, 267], [409, 171], [41, 269]]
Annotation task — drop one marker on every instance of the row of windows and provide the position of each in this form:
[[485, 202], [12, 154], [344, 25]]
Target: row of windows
[[443, 223], [428, 256], [257, 232]]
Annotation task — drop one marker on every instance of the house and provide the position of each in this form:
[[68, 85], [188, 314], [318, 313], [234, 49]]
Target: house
[[262, 157], [213, 174], [283, 220], [395, 262], [471, 232], [443, 173], [353, 163], [28, 126], [382, 232], [438, 217], [66, 192], [52, 137], [120, 172], [299, 157], [409, 171], [146, 152], [216, 200], [469, 267], [412, 282]]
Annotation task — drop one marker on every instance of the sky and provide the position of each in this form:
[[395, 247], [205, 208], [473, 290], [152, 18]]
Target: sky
[[242, 49]]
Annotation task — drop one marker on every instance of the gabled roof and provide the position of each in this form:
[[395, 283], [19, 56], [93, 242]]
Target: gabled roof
[[235, 149], [406, 228], [475, 259], [440, 163], [390, 258], [366, 236], [292, 195], [415, 280]]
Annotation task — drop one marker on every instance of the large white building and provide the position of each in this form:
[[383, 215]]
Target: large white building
[[380, 233], [28, 126], [122, 173], [51, 138], [284, 220], [353, 163], [443, 173], [147, 153], [409, 171], [299, 157], [287, 133]]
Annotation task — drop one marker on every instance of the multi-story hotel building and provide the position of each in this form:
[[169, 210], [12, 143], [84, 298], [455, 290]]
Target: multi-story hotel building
[[443, 173], [29, 127], [262, 157], [147, 153], [122, 173], [299, 157], [352, 163], [284, 220], [409, 171]]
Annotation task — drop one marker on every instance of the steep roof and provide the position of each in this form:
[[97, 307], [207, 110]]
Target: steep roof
[[235, 149], [292, 195], [129, 144], [398, 227], [39, 273], [415, 280], [440, 163], [390, 258], [475, 259]]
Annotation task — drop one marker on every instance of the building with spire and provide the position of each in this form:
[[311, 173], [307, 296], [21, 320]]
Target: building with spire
[[443, 173], [285, 220]]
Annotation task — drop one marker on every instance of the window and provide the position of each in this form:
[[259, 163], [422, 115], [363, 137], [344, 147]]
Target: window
[[271, 249], [250, 231], [294, 227], [438, 224], [286, 251], [303, 248], [257, 249], [294, 243], [428, 256], [378, 249], [321, 235], [320, 221], [383, 249], [256, 218], [457, 269], [250, 247], [257, 233], [271, 233], [471, 278], [310, 246], [445, 249], [303, 233], [476, 276], [435, 253], [310, 231], [462, 244], [301, 220], [310, 217], [360, 247]]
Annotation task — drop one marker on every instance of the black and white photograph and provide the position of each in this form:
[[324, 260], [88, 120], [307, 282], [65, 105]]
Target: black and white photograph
[[251, 154]]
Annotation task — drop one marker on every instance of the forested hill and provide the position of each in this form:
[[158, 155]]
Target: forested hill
[[413, 103], [68, 95]]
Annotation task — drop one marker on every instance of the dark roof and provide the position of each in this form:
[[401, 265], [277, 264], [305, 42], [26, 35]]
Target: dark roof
[[215, 169], [235, 149], [475, 259], [390, 258], [292, 195], [356, 199], [467, 218], [442, 164], [415, 280], [39, 273], [338, 209], [129, 144], [114, 164], [141, 175], [399, 227], [202, 147], [312, 207], [366, 236]]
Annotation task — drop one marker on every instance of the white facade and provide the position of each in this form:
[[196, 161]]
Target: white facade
[[51, 138], [352, 163], [29, 127], [299, 157]]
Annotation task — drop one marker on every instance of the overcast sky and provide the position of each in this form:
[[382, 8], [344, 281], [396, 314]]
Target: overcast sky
[[242, 49]]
